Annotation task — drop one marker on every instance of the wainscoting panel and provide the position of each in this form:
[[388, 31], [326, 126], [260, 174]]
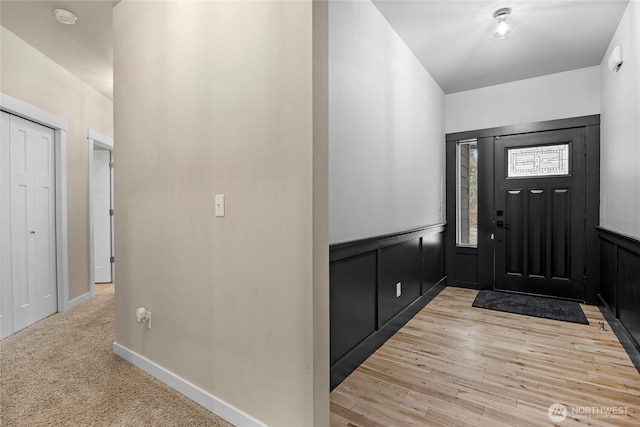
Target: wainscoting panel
[[608, 279], [466, 260], [629, 291], [433, 266], [400, 266], [352, 302], [620, 282], [364, 308]]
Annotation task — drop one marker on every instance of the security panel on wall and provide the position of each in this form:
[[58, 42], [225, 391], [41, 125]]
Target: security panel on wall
[[28, 290]]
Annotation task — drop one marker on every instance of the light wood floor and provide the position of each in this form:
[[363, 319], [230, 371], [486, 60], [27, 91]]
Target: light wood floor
[[456, 365]]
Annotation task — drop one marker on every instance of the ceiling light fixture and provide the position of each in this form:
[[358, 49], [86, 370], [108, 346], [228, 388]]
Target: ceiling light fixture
[[65, 17], [499, 28]]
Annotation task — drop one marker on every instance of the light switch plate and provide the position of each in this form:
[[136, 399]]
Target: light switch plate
[[219, 205]]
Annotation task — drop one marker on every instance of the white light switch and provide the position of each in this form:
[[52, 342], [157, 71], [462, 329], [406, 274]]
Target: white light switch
[[219, 205], [398, 289]]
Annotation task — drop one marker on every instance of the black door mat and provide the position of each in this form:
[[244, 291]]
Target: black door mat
[[548, 308]]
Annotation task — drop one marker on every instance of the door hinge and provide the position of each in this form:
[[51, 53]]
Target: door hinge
[[111, 164], [110, 212], [112, 259]]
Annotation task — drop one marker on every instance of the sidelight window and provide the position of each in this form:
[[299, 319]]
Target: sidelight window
[[467, 193]]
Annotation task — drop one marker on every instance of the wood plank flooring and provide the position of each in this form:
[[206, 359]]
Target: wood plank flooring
[[456, 365]]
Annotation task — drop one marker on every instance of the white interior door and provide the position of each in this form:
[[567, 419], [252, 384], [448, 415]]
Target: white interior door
[[6, 291], [101, 195], [45, 224], [29, 259]]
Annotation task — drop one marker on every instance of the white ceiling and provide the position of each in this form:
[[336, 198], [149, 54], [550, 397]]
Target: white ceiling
[[85, 49], [448, 37]]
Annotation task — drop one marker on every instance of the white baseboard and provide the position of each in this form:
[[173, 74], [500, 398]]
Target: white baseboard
[[79, 300], [221, 408]]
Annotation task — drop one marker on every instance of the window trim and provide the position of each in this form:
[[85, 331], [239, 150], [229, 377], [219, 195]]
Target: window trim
[[473, 141]]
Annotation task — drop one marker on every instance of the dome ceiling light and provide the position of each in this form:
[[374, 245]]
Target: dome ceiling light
[[65, 17], [502, 24]]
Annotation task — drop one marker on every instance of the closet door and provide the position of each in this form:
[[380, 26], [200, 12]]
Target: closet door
[[6, 291], [32, 222], [45, 226]]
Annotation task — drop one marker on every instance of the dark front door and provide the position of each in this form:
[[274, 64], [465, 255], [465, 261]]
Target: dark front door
[[540, 213]]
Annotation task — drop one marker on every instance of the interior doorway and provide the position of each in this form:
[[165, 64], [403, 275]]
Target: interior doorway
[[101, 209], [101, 199]]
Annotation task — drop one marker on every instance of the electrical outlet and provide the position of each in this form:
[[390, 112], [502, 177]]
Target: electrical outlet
[[144, 316], [398, 289]]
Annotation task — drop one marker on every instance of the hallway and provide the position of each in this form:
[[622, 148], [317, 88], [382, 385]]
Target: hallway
[[453, 364], [62, 371]]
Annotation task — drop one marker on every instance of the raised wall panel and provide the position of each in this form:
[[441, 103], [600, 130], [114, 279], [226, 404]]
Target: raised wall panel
[[467, 268], [364, 309], [561, 233], [352, 302], [514, 233], [432, 260], [629, 291], [399, 263], [608, 279], [620, 288], [537, 232]]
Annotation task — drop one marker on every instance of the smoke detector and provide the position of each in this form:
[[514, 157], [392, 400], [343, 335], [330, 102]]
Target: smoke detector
[[65, 17]]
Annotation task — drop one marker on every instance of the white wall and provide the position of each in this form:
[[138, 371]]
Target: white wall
[[225, 105], [620, 130], [30, 76], [386, 129], [557, 96]]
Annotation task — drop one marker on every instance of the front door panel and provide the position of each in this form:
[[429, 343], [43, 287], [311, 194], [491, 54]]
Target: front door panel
[[540, 213]]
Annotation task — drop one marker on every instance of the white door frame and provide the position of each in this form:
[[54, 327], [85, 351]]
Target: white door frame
[[60, 127], [96, 139]]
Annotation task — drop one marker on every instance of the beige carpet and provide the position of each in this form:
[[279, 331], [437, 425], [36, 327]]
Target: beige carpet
[[62, 371]]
